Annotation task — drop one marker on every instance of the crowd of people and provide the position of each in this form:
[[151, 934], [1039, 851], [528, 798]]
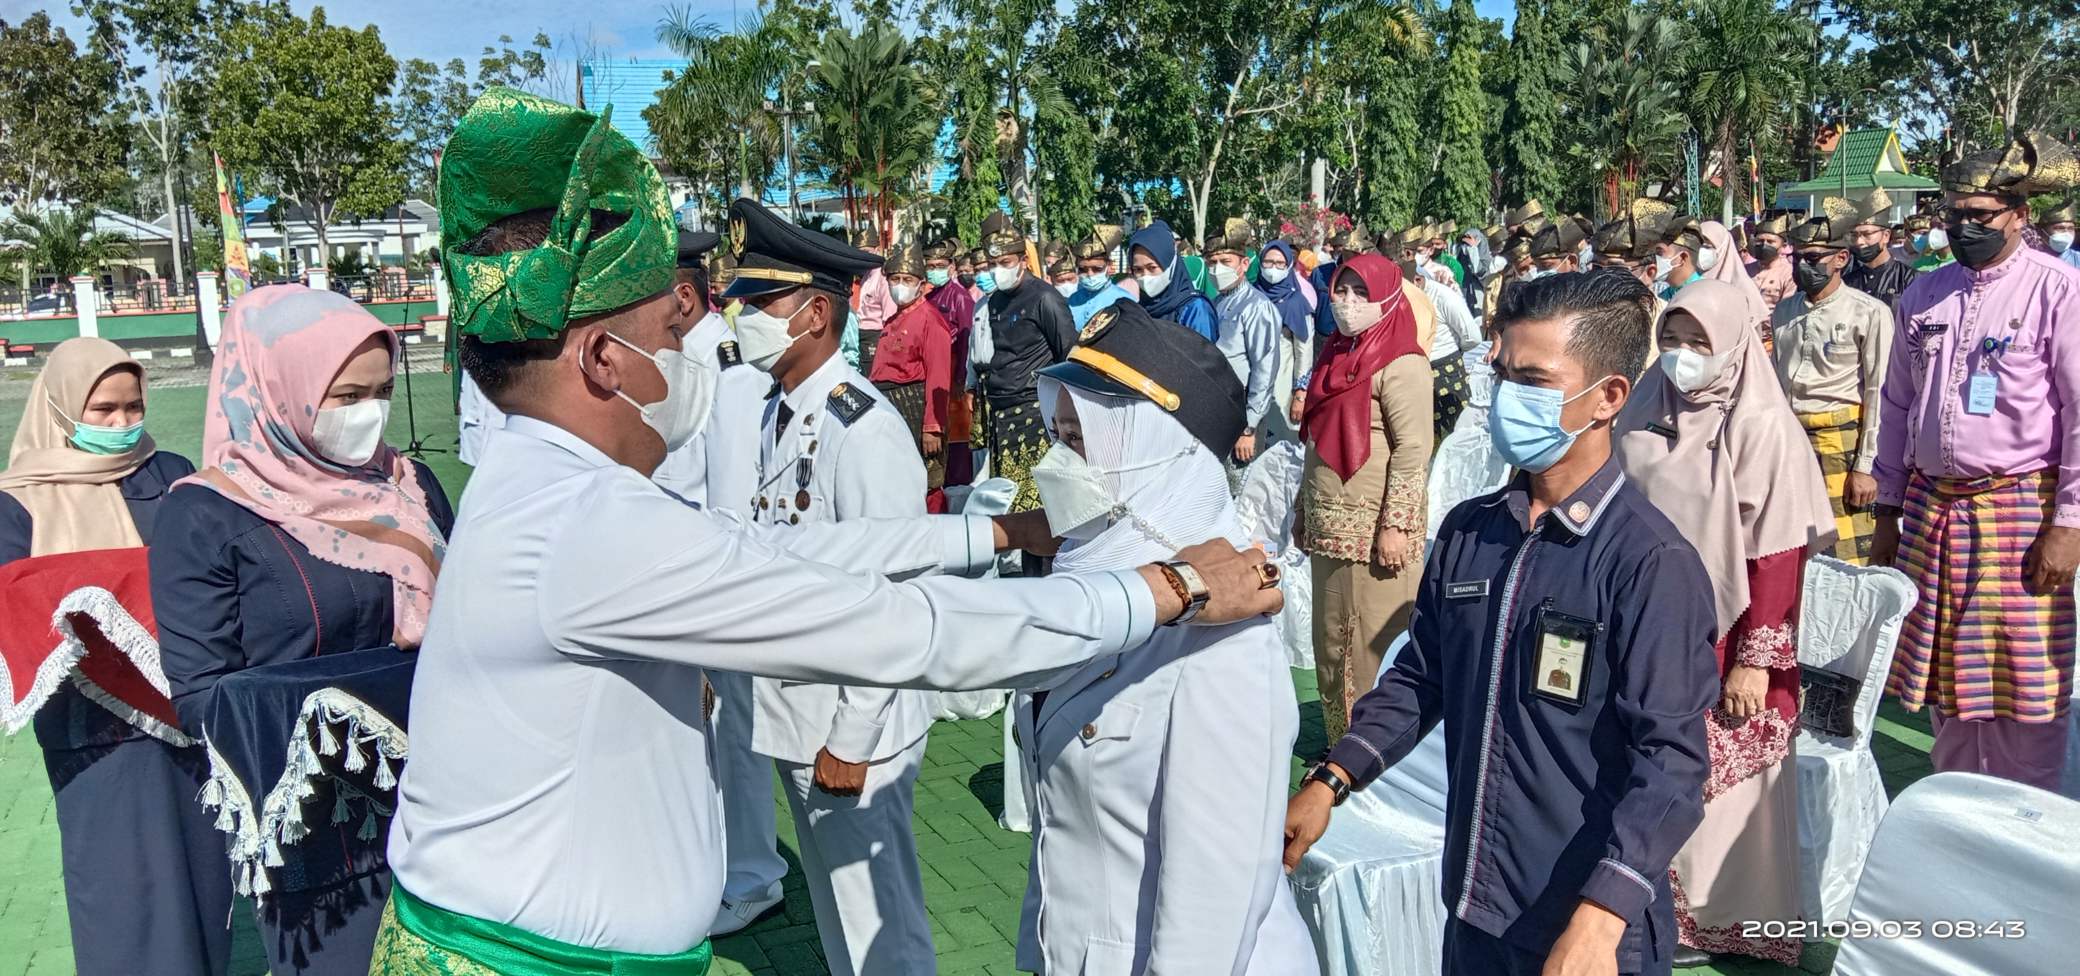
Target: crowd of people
[[706, 548]]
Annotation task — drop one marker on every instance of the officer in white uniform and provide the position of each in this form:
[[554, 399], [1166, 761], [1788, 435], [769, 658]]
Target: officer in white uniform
[[717, 465], [831, 449], [1158, 778]]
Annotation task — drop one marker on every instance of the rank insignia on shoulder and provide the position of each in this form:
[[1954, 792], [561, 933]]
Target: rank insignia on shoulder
[[847, 403], [726, 353], [1097, 324]]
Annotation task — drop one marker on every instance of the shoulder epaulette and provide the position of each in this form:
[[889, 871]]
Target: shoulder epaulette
[[848, 403], [726, 353]]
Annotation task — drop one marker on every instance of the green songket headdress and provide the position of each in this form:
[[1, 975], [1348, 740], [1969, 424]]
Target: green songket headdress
[[513, 152]]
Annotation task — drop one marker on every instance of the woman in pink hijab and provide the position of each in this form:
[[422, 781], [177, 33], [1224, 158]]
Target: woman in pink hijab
[[1728, 267], [305, 534], [1710, 439]]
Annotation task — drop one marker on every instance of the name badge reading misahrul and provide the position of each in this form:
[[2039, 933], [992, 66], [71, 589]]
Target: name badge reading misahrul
[[1566, 652]]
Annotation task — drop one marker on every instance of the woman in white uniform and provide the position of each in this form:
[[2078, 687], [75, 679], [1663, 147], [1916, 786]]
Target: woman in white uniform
[[1159, 778]]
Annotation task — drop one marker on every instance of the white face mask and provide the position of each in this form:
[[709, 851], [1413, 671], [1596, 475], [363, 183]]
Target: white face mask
[[1073, 492], [903, 294], [761, 336], [1273, 275], [1153, 285], [1663, 264], [689, 393], [1094, 282], [1938, 239], [2061, 241], [1067, 288], [1690, 371], [1356, 315], [349, 435], [1496, 264], [1008, 278], [1224, 277], [1707, 258]]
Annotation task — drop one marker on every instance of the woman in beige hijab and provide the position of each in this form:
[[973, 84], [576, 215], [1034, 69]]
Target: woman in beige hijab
[[1711, 441], [146, 885]]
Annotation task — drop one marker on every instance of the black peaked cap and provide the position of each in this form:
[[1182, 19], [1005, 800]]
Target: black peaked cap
[[1124, 351], [775, 255]]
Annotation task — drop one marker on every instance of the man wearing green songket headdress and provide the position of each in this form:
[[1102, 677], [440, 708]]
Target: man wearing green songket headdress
[[559, 814]]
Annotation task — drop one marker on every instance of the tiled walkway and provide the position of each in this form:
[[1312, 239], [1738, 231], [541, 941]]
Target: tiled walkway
[[974, 872]]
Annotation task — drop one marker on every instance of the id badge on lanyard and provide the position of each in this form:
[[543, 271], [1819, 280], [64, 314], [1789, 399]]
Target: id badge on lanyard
[[1984, 389], [1566, 655]]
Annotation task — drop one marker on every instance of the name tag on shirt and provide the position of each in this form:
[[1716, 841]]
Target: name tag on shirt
[[1469, 590], [1561, 672], [1980, 395]]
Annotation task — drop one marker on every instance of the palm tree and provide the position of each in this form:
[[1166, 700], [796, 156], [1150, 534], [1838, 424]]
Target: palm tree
[[1746, 70], [64, 243], [1626, 110], [875, 123], [714, 120]]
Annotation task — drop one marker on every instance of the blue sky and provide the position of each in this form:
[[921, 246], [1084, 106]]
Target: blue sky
[[441, 29]]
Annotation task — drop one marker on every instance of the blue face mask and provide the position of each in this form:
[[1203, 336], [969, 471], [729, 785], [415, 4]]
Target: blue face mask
[[107, 440], [1524, 423], [986, 282], [1095, 282]]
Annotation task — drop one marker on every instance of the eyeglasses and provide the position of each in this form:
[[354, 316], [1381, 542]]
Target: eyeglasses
[[1976, 215]]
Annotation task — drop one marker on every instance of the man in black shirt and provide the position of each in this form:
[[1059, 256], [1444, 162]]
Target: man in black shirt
[[1877, 272], [1563, 637], [1028, 328]]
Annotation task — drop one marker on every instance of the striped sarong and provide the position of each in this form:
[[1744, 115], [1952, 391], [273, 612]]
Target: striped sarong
[[1834, 435], [1979, 645]]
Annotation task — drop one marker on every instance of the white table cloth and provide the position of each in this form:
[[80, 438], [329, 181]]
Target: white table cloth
[[1372, 888]]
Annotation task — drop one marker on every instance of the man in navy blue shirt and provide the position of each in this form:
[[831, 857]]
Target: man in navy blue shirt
[[1563, 635]]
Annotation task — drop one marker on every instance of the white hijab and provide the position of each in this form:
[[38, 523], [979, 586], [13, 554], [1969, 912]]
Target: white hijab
[[1174, 489]]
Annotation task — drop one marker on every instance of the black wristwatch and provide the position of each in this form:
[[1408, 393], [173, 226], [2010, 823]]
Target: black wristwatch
[[1191, 588], [1338, 789]]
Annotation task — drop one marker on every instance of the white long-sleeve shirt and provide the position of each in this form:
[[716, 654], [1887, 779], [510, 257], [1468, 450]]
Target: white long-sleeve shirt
[[559, 779], [1457, 329]]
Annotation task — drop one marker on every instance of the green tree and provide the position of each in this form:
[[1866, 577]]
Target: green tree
[[1746, 75], [1463, 177], [526, 68], [430, 99], [64, 243], [59, 119], [1983, 69], [1625, 115], [719, 121], [169, 51], [305, 104], [1530, 121], [875, 121]]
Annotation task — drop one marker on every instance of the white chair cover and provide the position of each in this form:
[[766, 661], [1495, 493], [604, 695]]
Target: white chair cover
[[1849, 622], [1372, 889], [1270, 485], [1964, 849]]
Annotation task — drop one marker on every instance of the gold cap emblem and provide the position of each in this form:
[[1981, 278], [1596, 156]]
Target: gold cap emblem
[[736, 237], [1098, 323]]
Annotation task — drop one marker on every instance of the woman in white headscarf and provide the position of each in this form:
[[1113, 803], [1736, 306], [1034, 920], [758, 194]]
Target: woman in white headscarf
[[1159, 777]]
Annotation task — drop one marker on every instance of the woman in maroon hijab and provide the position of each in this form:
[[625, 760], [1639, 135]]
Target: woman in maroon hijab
[[1367, 425]]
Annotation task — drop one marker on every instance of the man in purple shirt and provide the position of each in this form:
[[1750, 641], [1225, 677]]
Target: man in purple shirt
[[1979, 451], [1563, 637]]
